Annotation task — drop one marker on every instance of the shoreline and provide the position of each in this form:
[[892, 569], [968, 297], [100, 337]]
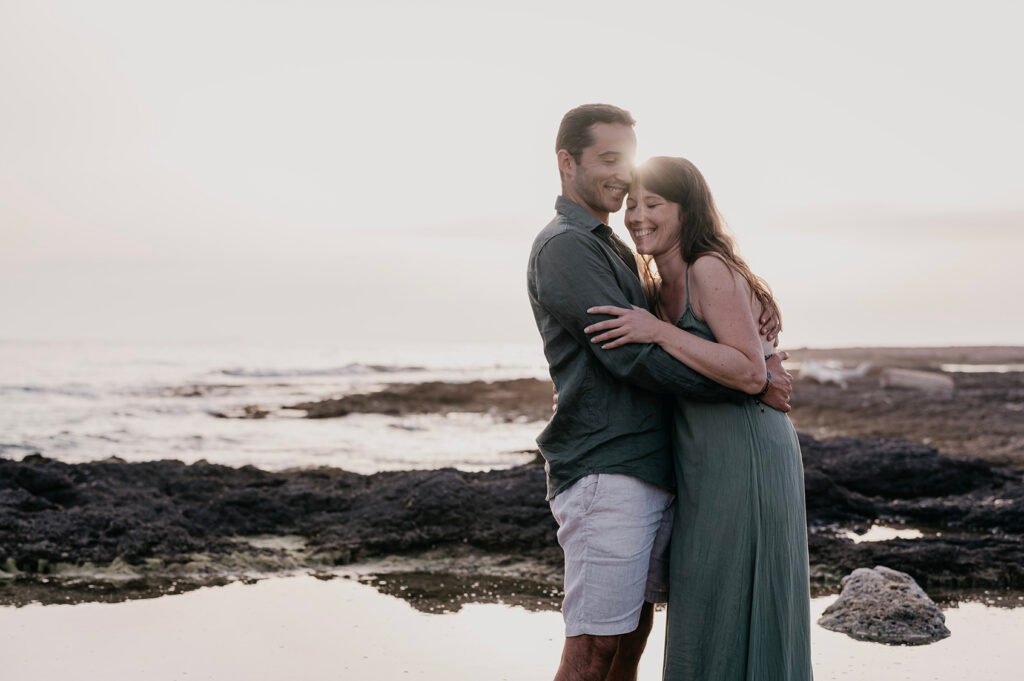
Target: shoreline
[[981, 418]]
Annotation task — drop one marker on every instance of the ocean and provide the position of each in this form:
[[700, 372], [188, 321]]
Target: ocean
[[84, 401]]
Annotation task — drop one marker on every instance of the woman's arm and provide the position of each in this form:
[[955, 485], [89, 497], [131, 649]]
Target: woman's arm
[[725, 304], [736, 360]]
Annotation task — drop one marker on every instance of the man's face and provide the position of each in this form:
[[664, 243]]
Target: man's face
[[601, 178]]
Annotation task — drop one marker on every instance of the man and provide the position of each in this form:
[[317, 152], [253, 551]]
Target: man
[[607, 447]]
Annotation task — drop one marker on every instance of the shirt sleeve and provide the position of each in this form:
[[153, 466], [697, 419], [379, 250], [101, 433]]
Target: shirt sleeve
[[573, 274]]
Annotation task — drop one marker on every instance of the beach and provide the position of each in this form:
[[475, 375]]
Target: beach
[[270, 377], [304, 628], [929, 484]]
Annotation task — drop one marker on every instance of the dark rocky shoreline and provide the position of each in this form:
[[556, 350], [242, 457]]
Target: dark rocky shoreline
[[983, 419], [517, 399], [174, 525]]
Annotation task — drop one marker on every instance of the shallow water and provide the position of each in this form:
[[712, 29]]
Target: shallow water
[[982, 368], [305, 628], [87, 401], [877, 533]]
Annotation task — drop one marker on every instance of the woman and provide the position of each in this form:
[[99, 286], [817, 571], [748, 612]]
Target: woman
[[738, 598]]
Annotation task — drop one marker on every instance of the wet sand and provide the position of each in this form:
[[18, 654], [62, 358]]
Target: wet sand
[[304, 628]]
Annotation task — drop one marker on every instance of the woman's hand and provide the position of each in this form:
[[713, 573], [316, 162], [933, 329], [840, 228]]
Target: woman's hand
[[770, 327], [628, 326]]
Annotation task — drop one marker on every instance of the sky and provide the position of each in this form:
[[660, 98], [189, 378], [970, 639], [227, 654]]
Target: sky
[[341, 172]]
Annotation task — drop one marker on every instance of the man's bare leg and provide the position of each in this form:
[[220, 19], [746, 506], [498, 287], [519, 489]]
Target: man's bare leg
[[606, 658], [587, 658], [631, 647]]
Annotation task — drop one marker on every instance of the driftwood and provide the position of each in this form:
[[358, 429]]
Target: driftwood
[[925, 381], [830, 372]]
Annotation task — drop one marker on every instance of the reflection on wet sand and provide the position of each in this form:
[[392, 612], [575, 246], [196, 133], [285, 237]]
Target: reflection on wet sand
[[417, 582], [302, 628], [446, 593], [56, 591]]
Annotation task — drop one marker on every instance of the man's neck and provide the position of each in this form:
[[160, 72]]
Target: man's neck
[[567, 193]]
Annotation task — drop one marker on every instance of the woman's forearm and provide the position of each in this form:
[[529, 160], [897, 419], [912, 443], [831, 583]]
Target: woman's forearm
[[721, 363]]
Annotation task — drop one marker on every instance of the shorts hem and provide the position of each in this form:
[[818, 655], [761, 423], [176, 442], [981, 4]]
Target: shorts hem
[[613, 629]]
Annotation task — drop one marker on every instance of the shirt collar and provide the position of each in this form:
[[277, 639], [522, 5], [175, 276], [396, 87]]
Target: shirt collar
[[578, 214]]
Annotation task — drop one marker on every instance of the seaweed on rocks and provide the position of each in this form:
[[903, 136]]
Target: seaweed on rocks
[[157, 514], [508, 400], [897, 469], [169, 510]]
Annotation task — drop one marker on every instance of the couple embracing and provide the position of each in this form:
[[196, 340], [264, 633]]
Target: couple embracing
[[673, 471]]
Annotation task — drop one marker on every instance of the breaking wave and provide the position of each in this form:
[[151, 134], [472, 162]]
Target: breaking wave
[[347, 370]]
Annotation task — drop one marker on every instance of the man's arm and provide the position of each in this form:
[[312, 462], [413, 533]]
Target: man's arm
[[573, 274]]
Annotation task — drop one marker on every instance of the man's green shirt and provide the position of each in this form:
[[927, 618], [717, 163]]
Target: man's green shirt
[[611, 412]]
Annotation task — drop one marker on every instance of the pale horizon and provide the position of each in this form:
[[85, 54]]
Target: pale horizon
[[334, 175]]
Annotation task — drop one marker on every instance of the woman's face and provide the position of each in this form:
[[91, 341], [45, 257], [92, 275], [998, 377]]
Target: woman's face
[[653, 221]]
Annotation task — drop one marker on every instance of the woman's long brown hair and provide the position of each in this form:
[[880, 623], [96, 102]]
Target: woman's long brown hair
[[703, 230]]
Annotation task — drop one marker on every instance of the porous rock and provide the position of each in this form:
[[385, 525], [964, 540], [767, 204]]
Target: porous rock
[[885, 606]]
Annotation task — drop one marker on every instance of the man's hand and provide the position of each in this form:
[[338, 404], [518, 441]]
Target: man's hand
[[626, 326], [781, 388], [770, 329]]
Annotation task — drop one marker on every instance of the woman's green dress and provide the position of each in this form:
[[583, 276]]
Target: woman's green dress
[[739, 602]]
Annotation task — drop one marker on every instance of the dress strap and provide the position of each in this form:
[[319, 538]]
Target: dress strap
[[687, 283]]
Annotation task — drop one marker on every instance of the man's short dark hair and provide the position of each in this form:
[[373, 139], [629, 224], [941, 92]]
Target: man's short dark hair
[[574, 132]]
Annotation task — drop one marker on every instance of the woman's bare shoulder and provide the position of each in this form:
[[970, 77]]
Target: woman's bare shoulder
[[712, 269]]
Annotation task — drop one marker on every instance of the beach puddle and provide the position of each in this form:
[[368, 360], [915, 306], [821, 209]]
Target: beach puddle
[[884, 533], [302, 627]]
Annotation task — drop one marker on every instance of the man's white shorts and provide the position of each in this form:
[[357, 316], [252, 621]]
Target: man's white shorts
[[615, 531]]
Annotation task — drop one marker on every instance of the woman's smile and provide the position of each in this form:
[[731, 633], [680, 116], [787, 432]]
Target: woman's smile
[[653, 221]]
